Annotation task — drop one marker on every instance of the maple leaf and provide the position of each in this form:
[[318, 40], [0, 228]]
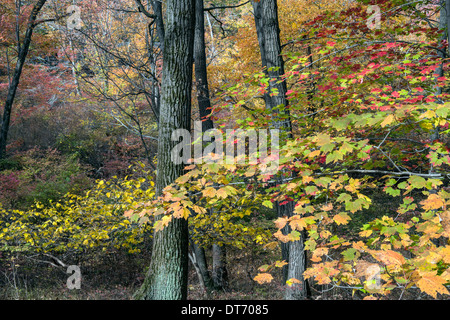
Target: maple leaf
[[341, 218], [280, 264], [162, 223], [290, 282], [128, 213], [445, 253], [327, 207], [222, 193], [433, 202], [271, 245], [445, 222], [388, 120], [431, 283], [268, 204], [297, 223], [209, 192], [389, 257], [263, 278], [318, 253]]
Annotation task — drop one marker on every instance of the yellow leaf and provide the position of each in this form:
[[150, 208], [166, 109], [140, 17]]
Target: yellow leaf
[[281, 222], [280, 264], [199, 209], [322, 139], [433, 202], [365, 233], [313, 154], [271, 245], [209, 192], [445, 253], [292, 281], [431, 283], [222, 193], [445, 222], [162, 223], [297, 223], [388, 120], [341, 218], [318, 253], [307, 179]]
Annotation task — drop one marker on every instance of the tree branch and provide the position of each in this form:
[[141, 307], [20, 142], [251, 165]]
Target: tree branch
[[226, 7]]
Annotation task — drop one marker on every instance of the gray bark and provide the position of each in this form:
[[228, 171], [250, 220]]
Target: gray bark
[[12, 88], [201, 75], [219, 275], [167, 275], [268, 32], [219, 271], [201, 267]]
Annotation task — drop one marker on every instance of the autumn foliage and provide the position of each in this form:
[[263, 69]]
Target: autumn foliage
[[366, 168]]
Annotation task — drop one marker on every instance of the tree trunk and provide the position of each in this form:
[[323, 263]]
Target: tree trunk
[[201, 73], [12, 89], [297, 261], [167, 275], [157, 10], [204, 104], [268, 32], [201, 267], [219, 271]]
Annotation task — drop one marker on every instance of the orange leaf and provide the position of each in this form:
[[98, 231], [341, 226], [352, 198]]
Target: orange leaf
[[433, 202], [370, 298], [222, 193], [341, 218], [281, 222], [263, 278], [432, 284], [209, 192], [297, 223], [292, 281], [389, 257], [128, 213]]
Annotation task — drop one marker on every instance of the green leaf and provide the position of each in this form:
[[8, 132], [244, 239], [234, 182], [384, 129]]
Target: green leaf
[[268, 204]]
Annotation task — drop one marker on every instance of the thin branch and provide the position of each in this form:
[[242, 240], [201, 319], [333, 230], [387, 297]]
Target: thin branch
[[142, 9], [226, 7]]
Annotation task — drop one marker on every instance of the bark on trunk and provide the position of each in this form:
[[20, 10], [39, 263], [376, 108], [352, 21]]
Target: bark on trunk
[[12, 89], [201, 74], [297, 291], [219, 281], [160, 30], [268, 32], [219, 272], [167, 276], [202, 268]]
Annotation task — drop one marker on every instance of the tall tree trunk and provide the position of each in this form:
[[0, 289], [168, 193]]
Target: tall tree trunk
[[201, 73], [198, 259], [160, 30], [219, 279], [167, 276], [12, 88], [219, 271], [268, 32]]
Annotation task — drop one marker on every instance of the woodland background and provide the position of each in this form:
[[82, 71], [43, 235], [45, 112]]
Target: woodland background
[[361, 101]]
